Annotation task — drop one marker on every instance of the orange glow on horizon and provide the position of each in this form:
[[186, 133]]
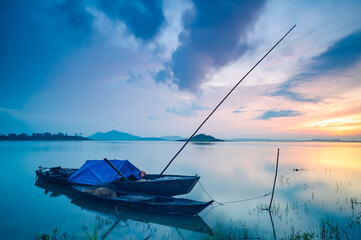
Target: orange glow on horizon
[[347, 125]]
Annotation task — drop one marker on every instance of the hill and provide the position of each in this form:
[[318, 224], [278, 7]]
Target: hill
[[121, 136], [113, 135], [203, 138], [172, 138]]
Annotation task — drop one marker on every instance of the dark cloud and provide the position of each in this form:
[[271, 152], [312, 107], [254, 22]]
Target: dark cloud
[[214, 34], [75, 21], [275, 114], [162, 76], [342, 55], [34, 36], [144, 18]]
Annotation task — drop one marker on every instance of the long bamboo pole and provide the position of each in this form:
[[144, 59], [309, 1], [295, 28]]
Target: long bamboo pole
[[225, 99], [115, 169]]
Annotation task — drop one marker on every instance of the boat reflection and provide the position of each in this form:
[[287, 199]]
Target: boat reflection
[[191, 223]]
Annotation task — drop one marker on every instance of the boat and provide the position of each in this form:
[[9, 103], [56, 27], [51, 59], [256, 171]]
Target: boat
[[98, 172], [57, 175], [150, 203], [192, 223]]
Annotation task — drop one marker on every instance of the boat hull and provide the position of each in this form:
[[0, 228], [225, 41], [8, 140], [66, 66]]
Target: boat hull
[[166, 185], [55, 177], [149, 203], [188, 222]]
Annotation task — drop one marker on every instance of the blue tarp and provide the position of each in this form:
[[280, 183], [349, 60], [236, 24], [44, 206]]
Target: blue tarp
[[95, 172]]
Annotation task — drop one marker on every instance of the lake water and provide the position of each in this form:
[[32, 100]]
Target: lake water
[[318, 191]]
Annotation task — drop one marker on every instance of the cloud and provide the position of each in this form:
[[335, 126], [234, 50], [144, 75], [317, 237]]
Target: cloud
[[34, 36], [345, 125], [74, 19], [275, 114], [144, 18], [285, 90], [341, 55], [189, 111], [80, 65], [237, 111], [214, 34], [162, 76]]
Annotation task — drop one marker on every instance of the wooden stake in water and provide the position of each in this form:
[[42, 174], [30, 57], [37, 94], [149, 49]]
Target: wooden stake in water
[[273, 226], [274, 182]]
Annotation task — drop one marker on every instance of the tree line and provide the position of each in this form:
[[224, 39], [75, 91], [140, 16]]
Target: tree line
[[41, 136]]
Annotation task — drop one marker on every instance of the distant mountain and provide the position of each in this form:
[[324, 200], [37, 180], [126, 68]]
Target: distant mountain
[[121, 136], [287, 140], [263, 140], [326, 140], [113, 135], [172, 138], [203, 138], [151, 139]]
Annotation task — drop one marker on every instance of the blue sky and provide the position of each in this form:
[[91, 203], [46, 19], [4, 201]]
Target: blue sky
[[155, 68]]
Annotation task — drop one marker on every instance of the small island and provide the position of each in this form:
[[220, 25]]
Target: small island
[[203, 138], [43, 137]]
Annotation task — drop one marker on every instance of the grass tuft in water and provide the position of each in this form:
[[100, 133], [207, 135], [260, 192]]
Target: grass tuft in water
[[300, 236], [236, 230], [94, 236]]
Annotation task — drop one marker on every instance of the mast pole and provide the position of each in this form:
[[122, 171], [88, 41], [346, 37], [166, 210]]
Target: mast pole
[[115, 169], [225, 99]]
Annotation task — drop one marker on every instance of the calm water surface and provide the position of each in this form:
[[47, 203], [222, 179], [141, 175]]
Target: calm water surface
[[318, 190]]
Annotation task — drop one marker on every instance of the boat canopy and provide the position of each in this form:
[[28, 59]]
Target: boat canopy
[[95, 172]]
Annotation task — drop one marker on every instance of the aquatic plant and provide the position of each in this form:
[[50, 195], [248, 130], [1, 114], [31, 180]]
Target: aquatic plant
[[236, 229], [43, 237], [299, 235], [94, 236], [55, 236]]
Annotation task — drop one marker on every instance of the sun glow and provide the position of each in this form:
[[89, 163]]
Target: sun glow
[[348, 125]]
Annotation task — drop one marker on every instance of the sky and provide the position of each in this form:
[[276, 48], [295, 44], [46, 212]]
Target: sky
[[158, 68]]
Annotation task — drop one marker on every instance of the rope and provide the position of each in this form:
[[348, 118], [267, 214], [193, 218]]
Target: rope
[[248, 199], [208, 194], [235, 201], [116, 210]]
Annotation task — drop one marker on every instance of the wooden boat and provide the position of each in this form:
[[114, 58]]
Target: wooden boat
[[56, 175], [166, 185], [149, 203], [192, 223]]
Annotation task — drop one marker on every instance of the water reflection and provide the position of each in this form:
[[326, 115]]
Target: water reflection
[[318, 189], [204, 143], [122, 214]]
